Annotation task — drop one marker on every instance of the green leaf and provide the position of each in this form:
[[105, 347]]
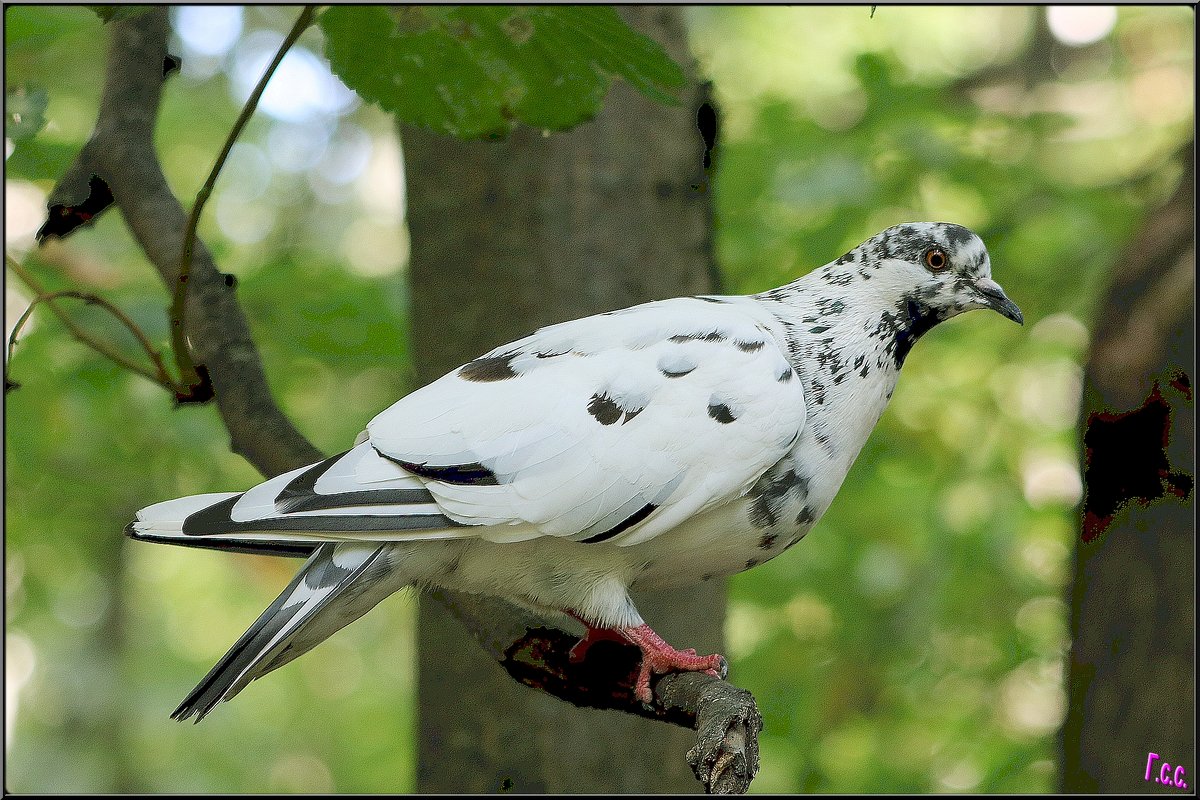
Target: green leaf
[[38, 159], [114, 13], [34, 29], [476, 71], [24, 112]]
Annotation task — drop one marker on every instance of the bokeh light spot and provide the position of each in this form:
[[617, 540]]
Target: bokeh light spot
[[208, 30], [1081, 25]]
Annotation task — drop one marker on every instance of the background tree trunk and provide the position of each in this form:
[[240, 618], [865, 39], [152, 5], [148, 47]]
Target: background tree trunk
[[1132, 680], [508, 237]]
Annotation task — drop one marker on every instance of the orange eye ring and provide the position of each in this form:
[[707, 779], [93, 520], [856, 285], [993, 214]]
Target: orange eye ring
[[935, 259]]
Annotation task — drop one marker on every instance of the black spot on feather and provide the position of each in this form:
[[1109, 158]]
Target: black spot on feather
[[608, 412], [604, 409], [749, 347], [489, 368], [713, 336], [818, 389], [721, 413]]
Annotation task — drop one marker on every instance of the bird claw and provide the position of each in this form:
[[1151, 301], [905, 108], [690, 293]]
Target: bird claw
[[659, 658]]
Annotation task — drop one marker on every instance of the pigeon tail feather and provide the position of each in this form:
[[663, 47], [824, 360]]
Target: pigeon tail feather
[[335, 579]]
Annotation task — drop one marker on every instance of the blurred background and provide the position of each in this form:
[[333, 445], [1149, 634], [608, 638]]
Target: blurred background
[[915, 642]]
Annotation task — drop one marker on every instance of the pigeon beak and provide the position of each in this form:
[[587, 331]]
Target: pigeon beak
[[998, 301]]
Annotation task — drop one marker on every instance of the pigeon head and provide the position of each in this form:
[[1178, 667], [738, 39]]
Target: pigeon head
[[937, 269]]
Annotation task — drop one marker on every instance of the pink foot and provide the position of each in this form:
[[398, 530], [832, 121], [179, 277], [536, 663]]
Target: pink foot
[[659, 658]]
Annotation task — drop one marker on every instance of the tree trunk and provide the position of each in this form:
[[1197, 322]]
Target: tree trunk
[[1132, 680], [508, 237]]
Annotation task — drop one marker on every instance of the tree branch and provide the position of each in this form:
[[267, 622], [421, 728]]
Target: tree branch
[[725, 717], [159, 375], [121, 152], [183, 359]]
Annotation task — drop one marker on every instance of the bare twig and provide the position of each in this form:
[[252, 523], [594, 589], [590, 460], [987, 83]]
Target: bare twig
[[159, 374], [178, 312], [121, 152]]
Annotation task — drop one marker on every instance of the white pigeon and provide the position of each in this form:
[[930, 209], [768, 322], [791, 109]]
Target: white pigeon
[[657, 446]]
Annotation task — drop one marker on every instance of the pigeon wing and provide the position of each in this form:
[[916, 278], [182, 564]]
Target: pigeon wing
[[610, 428]]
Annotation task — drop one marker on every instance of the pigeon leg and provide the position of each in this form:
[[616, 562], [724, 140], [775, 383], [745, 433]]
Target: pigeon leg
[[658, 658]]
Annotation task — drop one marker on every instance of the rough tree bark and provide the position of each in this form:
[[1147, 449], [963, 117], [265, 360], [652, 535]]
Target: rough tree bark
[[1132, 671], [508, 237]]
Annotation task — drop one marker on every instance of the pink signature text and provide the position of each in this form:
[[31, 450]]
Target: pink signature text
[[1165, 775]]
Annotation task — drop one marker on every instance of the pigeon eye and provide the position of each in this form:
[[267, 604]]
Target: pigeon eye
[[936, 259]]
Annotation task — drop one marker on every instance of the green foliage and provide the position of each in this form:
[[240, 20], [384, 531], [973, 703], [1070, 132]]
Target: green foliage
[[115, 13], [476, 71], [24, 112]]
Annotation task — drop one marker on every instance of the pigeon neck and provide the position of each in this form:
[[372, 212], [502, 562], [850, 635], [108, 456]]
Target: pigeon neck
[[911, 320], [893, 314], [848, 335]]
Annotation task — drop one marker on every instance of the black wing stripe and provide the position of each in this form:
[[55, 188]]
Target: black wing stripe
[[624, 525], [215, 520], [301, 493], [251, 547], [458, 474]]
